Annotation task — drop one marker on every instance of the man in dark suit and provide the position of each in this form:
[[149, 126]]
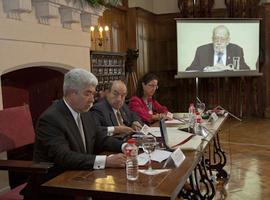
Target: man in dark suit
[[67, 135], [113, 115], [219, 55]]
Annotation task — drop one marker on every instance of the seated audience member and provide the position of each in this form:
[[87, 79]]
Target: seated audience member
[[113, 115], [67, 135], [144, 104]]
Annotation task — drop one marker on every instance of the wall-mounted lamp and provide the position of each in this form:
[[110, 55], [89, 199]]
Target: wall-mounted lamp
[[99, 34]]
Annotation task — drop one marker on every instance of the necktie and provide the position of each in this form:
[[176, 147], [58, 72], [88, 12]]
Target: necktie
[[219, 61], [119, 118], [80, 126]]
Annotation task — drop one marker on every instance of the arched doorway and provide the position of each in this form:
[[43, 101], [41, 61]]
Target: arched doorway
[[36, 86]]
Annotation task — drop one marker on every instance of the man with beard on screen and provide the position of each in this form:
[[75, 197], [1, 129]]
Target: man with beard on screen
[[220, 55]]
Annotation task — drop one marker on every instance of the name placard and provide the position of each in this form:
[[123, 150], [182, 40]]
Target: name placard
[[214, 117], [178, 157]]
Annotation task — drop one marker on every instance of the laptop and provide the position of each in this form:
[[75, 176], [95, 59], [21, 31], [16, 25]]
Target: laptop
[[182, 139], [164, 135]]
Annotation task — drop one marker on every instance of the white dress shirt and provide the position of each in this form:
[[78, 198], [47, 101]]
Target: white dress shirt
[[110, 129], [223, 58]]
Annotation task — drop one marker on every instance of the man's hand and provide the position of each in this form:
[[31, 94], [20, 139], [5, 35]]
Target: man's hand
[[116, 160], [136, 126], [122, 129]]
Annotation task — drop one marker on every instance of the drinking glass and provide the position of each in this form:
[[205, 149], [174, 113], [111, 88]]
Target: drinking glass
[[236, 62], [148, 145], [200, 107]]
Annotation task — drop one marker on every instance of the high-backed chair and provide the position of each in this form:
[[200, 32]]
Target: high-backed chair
[[17, 138]]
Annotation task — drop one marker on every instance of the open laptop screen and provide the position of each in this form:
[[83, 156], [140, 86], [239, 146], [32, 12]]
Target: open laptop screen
[[164, 134]]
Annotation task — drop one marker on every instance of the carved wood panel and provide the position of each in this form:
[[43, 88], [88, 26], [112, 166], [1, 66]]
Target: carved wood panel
[[115, 40]]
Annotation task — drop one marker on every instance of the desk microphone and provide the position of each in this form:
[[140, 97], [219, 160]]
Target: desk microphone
[[220, 107]]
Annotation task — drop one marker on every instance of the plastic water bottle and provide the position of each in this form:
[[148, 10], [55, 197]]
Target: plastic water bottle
[[197, 125], [132, 160], [191, 115]]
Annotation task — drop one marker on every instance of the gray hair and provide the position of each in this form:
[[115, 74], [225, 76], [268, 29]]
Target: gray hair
[[77, 80], [223, 28]]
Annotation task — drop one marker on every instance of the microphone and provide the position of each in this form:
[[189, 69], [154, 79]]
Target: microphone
[[220, 107]]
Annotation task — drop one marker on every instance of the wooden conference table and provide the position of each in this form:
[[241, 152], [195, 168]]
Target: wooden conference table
[[112, 183]]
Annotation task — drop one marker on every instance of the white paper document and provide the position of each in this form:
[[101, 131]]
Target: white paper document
[[174, 121], [153, 172], [176, 136], [155, 131], [158, 155]]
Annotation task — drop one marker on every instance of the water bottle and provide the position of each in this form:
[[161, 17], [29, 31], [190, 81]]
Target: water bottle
[[191, 115], [197, 125], [132, 160]]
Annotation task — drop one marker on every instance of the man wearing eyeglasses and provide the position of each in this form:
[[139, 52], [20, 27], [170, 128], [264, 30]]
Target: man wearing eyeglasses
[[113, 115], [220, 55]]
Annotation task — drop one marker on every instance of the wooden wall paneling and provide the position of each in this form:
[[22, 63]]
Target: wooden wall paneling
[[115, 18], [132, 44], [132, 28], [219, 13], [167, 91], [145, 40], [165, 59], [186, 93], [266, 48], [243, 8], [118, 27], [166, 45], [199, 8]]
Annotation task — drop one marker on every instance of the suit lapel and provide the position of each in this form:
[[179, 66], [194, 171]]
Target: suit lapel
[[229, 54], [111, 113], [113, 118], [72, 126], [211, 55], [124, 116]]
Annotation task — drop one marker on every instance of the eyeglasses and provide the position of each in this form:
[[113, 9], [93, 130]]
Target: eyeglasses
[[153, 86], [220, 39], [117, 95]]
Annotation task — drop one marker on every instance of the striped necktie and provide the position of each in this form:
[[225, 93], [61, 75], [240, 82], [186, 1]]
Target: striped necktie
[[119, 118]]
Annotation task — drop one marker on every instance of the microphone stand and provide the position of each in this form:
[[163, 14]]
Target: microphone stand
[[197, 90]]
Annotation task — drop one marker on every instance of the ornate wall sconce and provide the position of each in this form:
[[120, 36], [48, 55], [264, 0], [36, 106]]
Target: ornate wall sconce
[[99, 34]]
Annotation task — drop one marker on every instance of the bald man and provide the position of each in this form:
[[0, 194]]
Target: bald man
[[219, 54], [113, 115]]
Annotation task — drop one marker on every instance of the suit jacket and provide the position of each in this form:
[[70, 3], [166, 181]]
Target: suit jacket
[[58, 139], [137, 104], [104, 115], [205, 57]]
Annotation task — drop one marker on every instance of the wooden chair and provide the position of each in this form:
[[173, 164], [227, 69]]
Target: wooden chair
[[17, 138]]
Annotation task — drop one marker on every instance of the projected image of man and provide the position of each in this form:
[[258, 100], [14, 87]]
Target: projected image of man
[[220, 55]]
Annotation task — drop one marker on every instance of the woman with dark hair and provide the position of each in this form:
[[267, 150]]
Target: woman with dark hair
[[144, 104]]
